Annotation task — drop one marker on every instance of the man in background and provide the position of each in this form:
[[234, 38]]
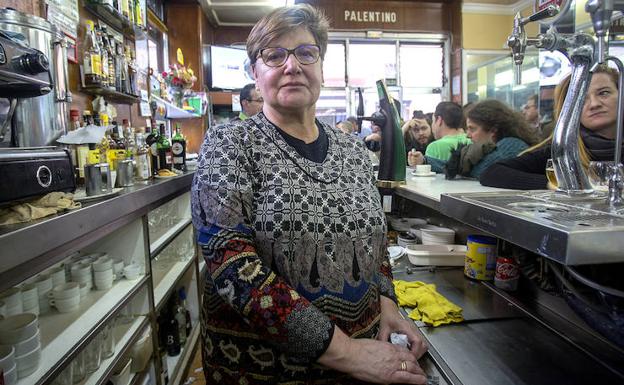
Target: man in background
[[530, 111], [448, 133], [251, 103]]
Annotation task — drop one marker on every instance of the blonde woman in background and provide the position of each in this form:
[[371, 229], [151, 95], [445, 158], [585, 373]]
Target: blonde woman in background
[[597, 132]]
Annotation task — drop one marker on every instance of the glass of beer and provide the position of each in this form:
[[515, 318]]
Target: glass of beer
[[550, 173]]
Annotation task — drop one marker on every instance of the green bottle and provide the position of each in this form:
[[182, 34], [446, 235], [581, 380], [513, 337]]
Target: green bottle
[[164, 150], [178, 149]]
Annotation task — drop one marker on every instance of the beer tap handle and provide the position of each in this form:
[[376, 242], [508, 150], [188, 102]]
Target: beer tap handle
[[517, 41], [600, 12]]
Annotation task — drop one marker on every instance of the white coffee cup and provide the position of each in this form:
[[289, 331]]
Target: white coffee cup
[[26, 345], [132, 271], [118, 266], [30, 296], [423, 169], [44, 283], [7, 357], [67, 290], [58, 275], [66, 305], [13, 299], [84, 291], [102, 264], [104, 279]]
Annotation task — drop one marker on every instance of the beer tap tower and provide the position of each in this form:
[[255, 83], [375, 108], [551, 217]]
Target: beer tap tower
[[585, 52]]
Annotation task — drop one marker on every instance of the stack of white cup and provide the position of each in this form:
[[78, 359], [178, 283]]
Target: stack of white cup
[[65, 298], [12, 299], [44, 283], [21, 334], [81, 273], [30, 298], [103, 272]]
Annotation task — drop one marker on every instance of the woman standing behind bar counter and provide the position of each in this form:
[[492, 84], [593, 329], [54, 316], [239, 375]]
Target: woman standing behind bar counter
[[598, 129], [299, 288]]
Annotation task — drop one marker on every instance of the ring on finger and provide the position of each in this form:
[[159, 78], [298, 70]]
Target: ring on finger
[[404, 366]]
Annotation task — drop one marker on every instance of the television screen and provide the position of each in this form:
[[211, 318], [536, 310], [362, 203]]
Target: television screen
[[230, 68]]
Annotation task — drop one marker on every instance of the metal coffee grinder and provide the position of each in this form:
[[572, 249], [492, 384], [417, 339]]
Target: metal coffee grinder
[[25, 74]]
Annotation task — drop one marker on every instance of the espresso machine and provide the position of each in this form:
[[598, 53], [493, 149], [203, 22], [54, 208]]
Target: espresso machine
[[29, 114]]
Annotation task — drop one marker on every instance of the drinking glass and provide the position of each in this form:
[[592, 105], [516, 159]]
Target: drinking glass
[[599, 173], [93, 354], [550, 173]]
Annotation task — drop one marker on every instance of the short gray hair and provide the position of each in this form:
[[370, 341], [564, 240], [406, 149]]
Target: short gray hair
[[284, 20]]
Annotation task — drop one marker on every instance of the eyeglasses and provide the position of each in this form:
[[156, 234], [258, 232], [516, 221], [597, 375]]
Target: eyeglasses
[[277, 56], [256, 100]]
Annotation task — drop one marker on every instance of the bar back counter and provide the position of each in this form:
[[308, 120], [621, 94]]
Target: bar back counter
[[529, 336], [146, 231]]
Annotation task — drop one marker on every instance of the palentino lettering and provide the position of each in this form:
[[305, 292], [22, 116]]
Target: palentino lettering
[[370, 16]]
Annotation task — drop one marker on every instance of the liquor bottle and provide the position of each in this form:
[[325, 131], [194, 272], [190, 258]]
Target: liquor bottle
[[187, 314], [178, 314], [152, 142], [178, 149], [104, 57], [141, 158], [128, 138], [112, 72], [164, 150], [138, 14], [92, 60], [172, 337], [162, 351], [132, 70]]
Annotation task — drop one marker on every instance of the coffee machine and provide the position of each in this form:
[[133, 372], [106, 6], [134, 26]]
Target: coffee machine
[[25, 75]]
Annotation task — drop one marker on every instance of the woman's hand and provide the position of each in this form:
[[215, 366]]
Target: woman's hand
[[372, 361], [392, 322], [415, 158]]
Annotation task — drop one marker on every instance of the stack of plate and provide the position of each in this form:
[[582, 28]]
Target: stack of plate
[[437, 236], [404, 224], [406, 238]]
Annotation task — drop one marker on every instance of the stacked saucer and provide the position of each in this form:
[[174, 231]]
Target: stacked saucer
[[435, 235]]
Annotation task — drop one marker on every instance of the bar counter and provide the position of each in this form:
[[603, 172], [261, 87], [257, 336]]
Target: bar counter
[[41, 243], [426, 190], [524, 337]]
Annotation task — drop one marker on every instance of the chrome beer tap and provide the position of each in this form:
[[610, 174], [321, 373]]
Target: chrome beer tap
[[579, 48], [518, 41], [601, 12]]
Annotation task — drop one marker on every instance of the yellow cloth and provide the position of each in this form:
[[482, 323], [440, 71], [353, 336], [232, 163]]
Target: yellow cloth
[[49, 204], [429, 306]]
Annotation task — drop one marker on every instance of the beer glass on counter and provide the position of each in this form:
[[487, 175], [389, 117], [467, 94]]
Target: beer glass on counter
[[550, 174]]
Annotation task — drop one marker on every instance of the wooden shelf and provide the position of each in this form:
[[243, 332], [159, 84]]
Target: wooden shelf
[[116, 20], [112, 95]]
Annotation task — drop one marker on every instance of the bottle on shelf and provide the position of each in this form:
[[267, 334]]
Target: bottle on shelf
[[99, 31], [92, 60], [164, 150], [162, 350], [178, 149], [110, 49], [185, 309], [172, 337], [152, 142]]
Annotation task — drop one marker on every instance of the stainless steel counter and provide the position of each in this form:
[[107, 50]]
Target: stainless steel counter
[[44, 242], [500, 343]]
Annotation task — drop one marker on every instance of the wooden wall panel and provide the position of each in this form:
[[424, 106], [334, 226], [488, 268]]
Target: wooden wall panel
[[33, 7], [230, 35], [184, 21]]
